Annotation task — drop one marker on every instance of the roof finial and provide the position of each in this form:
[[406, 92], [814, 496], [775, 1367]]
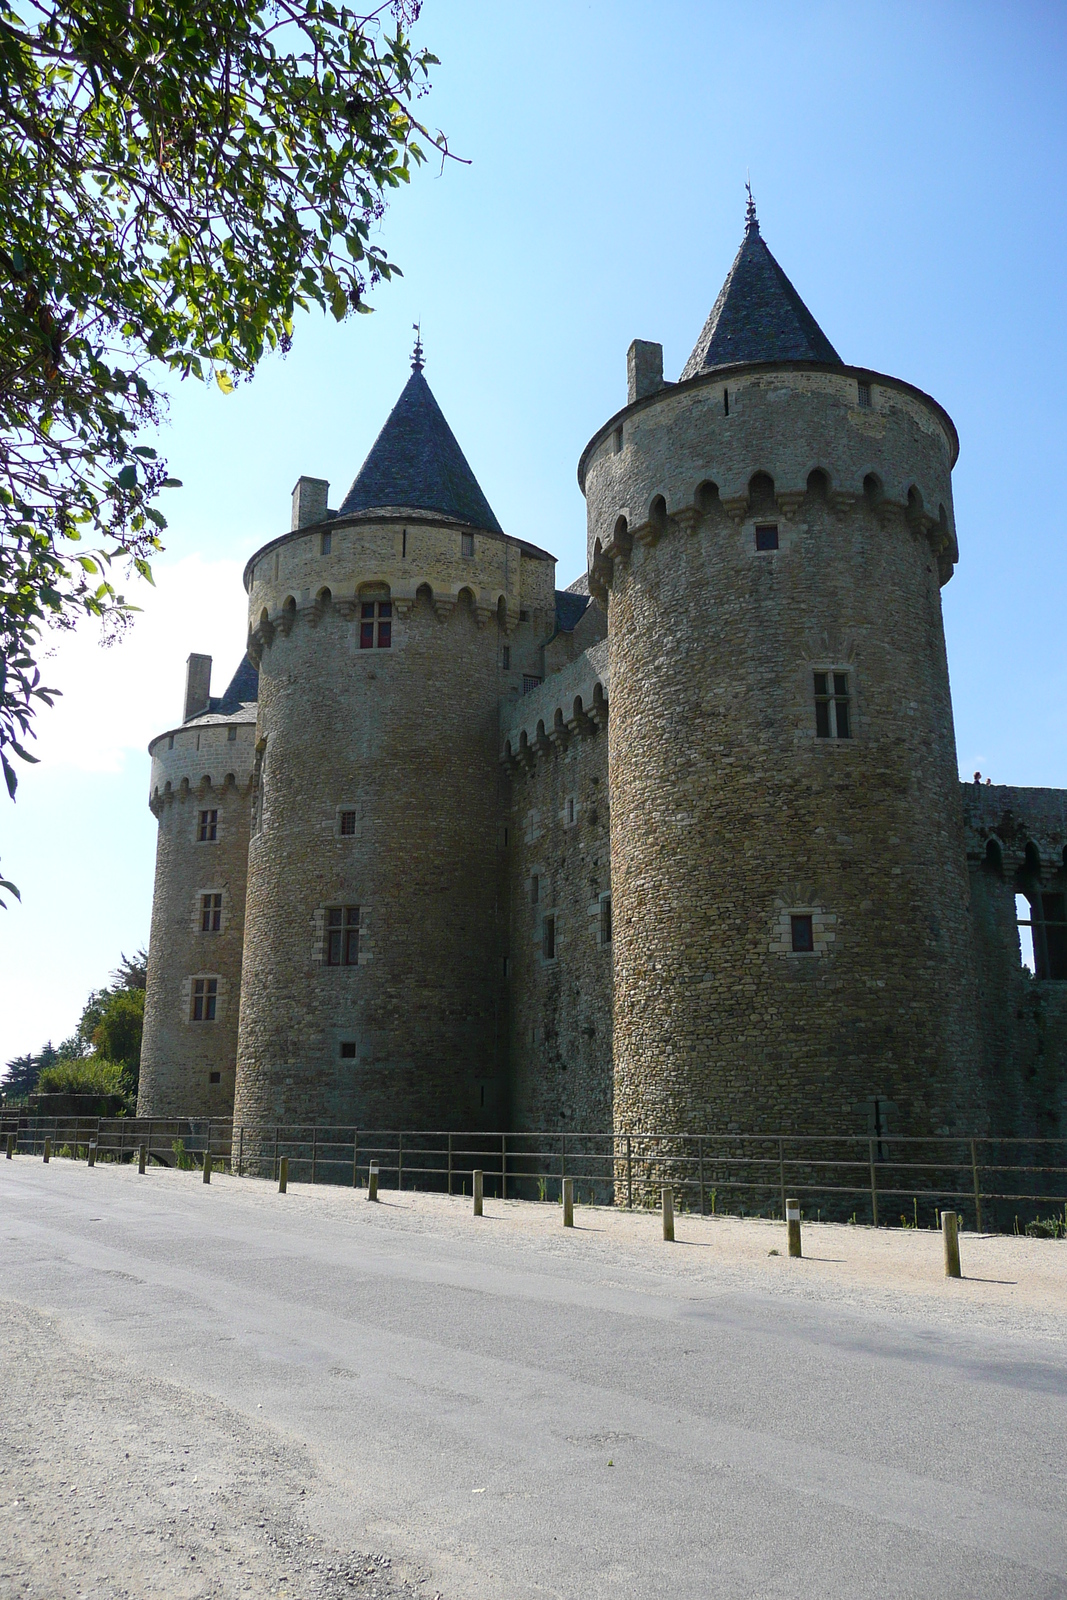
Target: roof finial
[[751, 219], [416, 354]]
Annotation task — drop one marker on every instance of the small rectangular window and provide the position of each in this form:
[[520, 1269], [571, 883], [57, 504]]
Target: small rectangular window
[[505, 658], [767, 536], [466, 544], [214, 1077], [170, 741], [524, 616], [327, 543], [348, 1049], [205, 998], [803, 934], [726, 402], [376, 624], [504, 965], [605, 919], [348, 824], [208, 830], [569, 811], [231, 734], [210, 913], [529, 682], [833, 718], [535, 888], [548, 938], [864, 395], [404, 545], [342, 936], [618, 440]]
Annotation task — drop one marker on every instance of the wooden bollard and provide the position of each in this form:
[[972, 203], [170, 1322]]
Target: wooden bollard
[[92, 1152], [950, 1234], [142, 1158], [372, 1181], [207, 1166], [792, 1224], [47, 1151], [283, 1174], [568, 1202], [667, 1202], [478, 1186], [10, 1145]]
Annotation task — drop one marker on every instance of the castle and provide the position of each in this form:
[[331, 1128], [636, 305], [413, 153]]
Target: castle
[[682, 847]]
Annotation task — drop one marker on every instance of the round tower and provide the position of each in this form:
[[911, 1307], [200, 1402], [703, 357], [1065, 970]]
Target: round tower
[[386, 635], [791, 940], [200, 794]]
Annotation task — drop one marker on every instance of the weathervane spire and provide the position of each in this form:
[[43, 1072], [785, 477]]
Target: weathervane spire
[[751, 219], [416, 355]]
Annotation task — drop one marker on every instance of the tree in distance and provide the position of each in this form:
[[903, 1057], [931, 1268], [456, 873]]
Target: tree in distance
[[177, 180]]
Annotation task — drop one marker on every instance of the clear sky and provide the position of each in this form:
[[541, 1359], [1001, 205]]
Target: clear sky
[[908, 164]]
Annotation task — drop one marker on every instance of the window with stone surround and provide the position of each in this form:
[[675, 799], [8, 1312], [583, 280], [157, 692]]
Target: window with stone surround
[[207, 831], [530, 683], [348, 1049], [766, 536], [864, 395], [214, 1077], [210, 913], [375, 624], [535, 887], [548, 937], [802, 933], [605, 919], [466, 544], [205, 999], [342, 936], [346, 824], [327, 543], [833, 705], [570, 811]]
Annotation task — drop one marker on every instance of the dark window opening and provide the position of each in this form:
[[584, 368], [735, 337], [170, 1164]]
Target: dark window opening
[[832, 706], [214, 1077], [376, 614], [404, 545], [548, 938], [348, 824], [210, 913], [205, 999], [348, 1049], [524, 616], [505, 658], [466, 547], [767, 536], [864, 391], [342, 936], [231, 734], [535, 888], [618, 441], [726, 402], [327, 543], [208, 830], [803, 933], [483, 1096], [504, 965], [170, 741], [1042, 922], [529, 682], [605, 919]]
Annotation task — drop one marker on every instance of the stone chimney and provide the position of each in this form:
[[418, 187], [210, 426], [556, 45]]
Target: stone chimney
[[309, 502], [197, 686], [644, 370]]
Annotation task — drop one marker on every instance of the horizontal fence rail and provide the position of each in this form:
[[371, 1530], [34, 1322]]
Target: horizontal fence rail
[[990, 1181]]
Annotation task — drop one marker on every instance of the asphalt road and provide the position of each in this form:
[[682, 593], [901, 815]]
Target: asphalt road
[[516, 1414]]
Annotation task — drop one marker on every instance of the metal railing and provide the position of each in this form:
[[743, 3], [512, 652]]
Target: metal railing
[[840, 1176]]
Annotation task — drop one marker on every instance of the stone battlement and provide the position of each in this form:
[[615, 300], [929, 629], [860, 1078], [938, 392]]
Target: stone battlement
[[573, 702]]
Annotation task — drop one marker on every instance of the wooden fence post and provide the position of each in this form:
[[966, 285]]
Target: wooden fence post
[[283, 1174], [792, 1221], [874, 1184], [372, 1181], [477, 1185], [667, 1203], [950, 1234], [207, 1166], [47, 1151], [977, 1190], [568, 1202], [142, 1157]]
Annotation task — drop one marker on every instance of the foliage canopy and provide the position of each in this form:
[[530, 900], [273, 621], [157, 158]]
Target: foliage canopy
[[176, 181]]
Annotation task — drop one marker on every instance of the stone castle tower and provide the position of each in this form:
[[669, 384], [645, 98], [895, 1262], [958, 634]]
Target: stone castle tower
[[682, 848]]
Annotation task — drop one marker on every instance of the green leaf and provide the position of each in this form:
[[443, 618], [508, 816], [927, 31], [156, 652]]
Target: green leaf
[[224, 381], [127, 478]]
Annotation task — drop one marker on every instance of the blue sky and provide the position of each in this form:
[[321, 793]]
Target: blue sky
[[908, 163]]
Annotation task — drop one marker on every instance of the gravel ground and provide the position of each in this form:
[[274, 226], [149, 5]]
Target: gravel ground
[[112, 1486], [216, 1392]]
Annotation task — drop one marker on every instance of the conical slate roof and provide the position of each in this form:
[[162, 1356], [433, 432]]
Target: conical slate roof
[[758, 316], [415, 463]]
